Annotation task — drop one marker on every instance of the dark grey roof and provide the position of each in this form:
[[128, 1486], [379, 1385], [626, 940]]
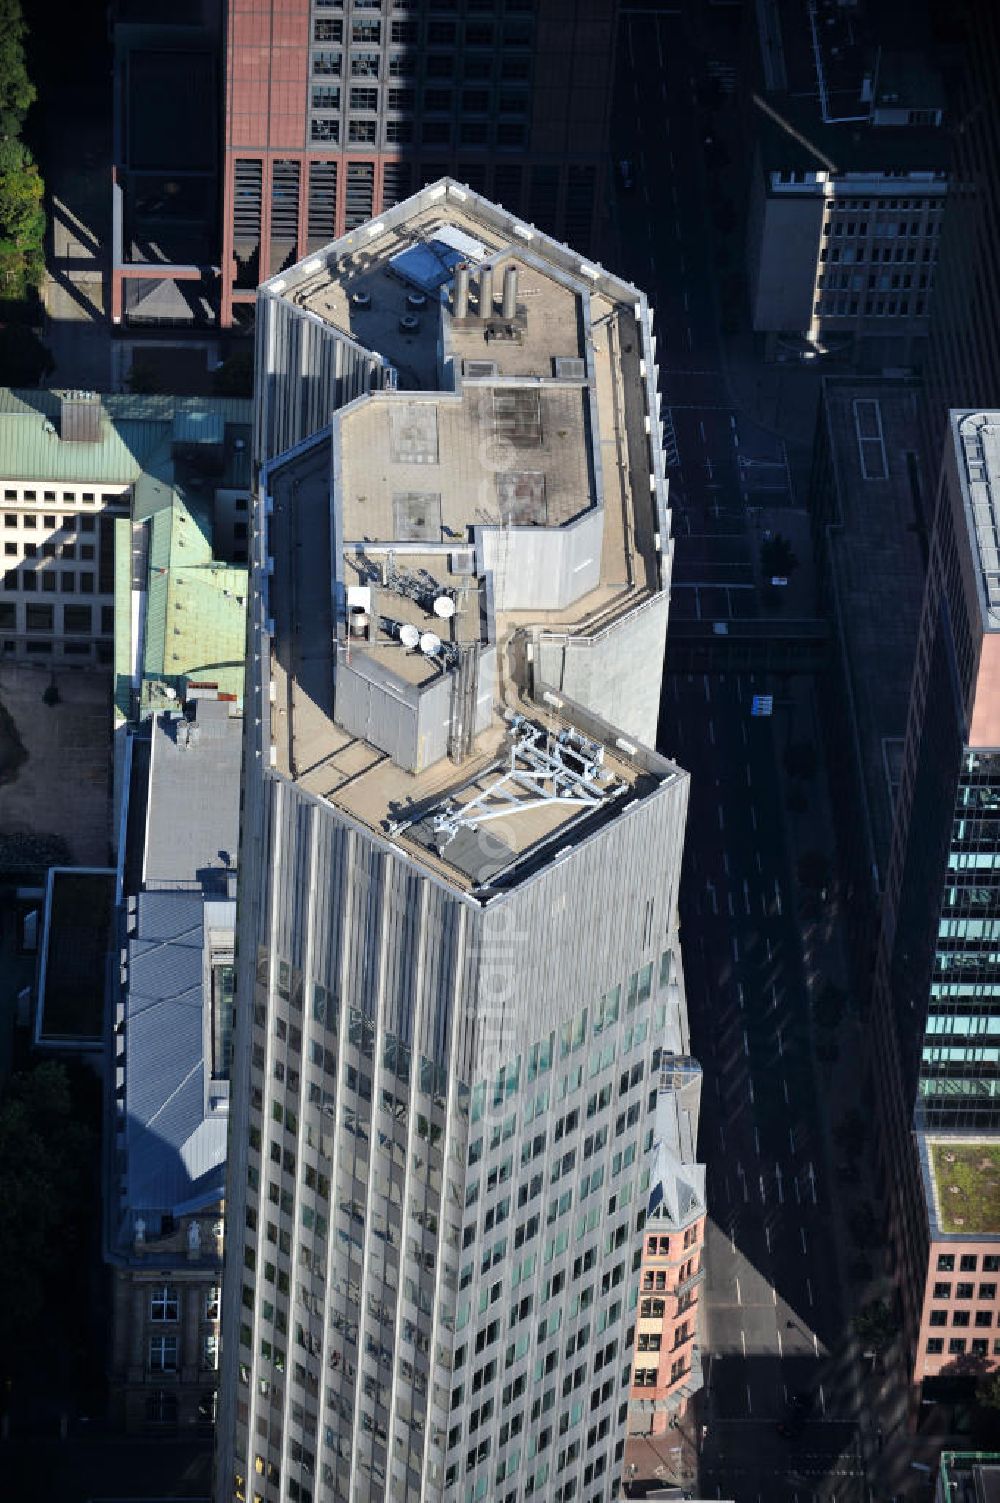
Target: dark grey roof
[[192, 828], [175, 1139]]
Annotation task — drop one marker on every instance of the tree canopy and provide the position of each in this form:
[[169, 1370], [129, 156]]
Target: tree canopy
[[46, 1156], [22, 215]]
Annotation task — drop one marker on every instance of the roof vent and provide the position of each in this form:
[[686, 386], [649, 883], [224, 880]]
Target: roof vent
[[570, 368], [478, 370], [80, 417]]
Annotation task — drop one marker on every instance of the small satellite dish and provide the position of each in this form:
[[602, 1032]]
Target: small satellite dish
[[409, 635], [444, 607], [430, 644]]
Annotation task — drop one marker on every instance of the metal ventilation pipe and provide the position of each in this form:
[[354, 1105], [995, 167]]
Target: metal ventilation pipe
[[508, 306], [461, 293], [486, 292]]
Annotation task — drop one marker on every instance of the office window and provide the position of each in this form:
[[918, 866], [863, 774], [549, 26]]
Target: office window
[[29, 520], [76, 620], [324, 130], [984, 1318], [968, 1263], [86, 524], [956, 1346], [67, 582], [366, 31], [161, 1409], [213, 1303], [939, 1318], [163, 1354], [946, 1263], [964, 1291], [210, 1353], [163, 1303], [10, 519], [942, 1291], [49, 583], [960, 1318], [327, 30], [39, 618], [327, 64], [399, 132], [361, 132], [436, 133], [10, 550], [364, 64], [987, 1291], [325, 97], [364, 99], [935, 1346], [86, 583]]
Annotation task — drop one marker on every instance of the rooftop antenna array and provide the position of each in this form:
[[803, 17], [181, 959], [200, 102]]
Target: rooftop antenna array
[[420, 587]]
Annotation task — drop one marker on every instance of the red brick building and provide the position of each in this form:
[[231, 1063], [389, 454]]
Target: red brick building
[[666, 1363], [332, 110]]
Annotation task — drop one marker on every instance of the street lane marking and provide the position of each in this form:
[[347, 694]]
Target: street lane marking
[[802, 1238], [809, 1291]]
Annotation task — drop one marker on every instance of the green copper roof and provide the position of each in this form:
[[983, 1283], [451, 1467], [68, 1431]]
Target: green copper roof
[[196, 607], [132, 429]]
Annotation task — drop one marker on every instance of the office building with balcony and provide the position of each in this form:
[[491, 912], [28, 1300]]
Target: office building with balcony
[[848, 182], [936, 1014], [459, 977], [299, 119]]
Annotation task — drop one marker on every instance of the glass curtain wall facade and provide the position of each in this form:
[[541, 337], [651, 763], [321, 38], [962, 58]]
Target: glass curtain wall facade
[[959, 1083]]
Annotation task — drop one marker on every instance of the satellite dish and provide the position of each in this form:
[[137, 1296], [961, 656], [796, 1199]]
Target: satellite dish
[[444, 607], [430, 644], [409, 635]]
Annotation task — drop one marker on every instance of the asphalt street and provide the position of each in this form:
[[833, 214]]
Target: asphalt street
[[773, 1323]]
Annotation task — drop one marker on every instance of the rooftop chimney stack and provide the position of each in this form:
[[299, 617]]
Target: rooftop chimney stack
[[508, 306], [486, 292], [80, 417], [461, 293]]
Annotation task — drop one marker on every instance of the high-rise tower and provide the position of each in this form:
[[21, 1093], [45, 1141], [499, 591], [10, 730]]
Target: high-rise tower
[[459, 986], [936, 1009]]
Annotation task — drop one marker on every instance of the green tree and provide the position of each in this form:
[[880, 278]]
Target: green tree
[[22, 222], [24, 359], [988, 1391], [17, 92], [777, 557], [46, 1190], [875, 1325]]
